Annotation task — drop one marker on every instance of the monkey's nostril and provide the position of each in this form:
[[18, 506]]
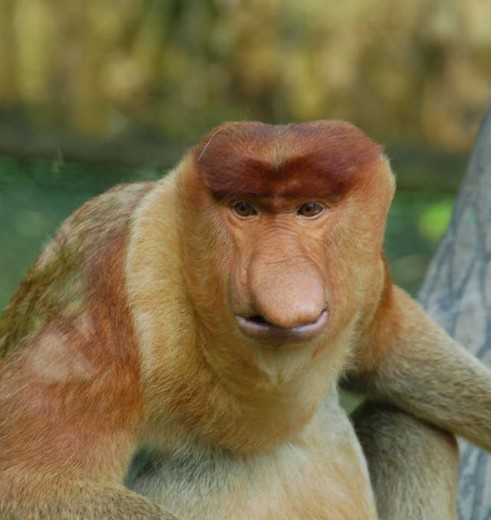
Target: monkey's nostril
[[258, 319]]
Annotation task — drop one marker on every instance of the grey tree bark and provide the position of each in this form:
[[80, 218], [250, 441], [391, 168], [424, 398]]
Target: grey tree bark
[[457, 294]]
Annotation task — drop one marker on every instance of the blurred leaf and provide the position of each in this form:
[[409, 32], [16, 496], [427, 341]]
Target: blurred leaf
[[434, 219]]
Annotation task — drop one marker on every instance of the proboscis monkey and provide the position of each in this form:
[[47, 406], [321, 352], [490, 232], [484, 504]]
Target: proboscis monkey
[[206, 320]]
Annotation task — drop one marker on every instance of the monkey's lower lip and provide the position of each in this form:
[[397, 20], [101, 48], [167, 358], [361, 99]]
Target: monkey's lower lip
[[258, 328]]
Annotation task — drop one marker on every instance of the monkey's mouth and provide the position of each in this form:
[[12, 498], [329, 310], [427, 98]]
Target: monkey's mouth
[[258, 327]]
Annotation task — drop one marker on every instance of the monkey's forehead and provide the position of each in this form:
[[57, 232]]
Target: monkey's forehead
[[320, 159]]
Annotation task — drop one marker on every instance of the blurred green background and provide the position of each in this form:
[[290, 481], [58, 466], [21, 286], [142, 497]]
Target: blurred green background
[[104, 91]]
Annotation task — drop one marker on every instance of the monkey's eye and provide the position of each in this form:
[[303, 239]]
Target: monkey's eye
[[243, 209], [310, 210]]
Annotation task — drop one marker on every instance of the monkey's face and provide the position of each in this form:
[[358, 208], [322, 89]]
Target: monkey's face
[[297, 217], [278, 285]]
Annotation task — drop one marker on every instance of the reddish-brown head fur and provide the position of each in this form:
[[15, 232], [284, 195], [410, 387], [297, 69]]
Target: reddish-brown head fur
[[321, 159]]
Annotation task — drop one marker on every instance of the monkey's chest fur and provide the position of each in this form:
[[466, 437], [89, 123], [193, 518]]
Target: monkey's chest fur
[[319, 475]]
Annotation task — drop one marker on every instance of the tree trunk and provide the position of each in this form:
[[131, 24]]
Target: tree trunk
[[457, 294]]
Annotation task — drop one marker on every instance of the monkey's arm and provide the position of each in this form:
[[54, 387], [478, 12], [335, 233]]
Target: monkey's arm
[[67, 435], [70, 381], [410, 361], [39, 496]]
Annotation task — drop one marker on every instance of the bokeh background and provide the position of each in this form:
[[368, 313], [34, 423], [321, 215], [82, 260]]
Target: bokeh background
[[103, 91]]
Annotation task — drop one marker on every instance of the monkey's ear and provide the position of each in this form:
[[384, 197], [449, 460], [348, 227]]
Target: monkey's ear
[[413, 363]]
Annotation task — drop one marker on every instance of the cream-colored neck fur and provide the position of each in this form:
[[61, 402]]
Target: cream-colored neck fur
[[319, 475]]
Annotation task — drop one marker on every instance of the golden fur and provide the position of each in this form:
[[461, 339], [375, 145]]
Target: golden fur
[[135, 333]]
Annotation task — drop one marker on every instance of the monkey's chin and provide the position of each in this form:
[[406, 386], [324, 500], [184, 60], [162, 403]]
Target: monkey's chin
[[256, 327]]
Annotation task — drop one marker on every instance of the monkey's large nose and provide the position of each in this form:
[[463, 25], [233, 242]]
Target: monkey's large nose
[[287, 299]]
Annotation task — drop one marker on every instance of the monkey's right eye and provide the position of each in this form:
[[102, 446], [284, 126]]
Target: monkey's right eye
[[243, 209]]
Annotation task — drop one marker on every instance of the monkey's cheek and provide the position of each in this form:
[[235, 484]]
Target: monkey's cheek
[[260, 329]]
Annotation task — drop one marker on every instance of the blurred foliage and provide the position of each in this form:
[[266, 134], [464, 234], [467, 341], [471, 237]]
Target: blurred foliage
[[118, 76], [35, 196], [416, 223], [434, 219], [173, 68]]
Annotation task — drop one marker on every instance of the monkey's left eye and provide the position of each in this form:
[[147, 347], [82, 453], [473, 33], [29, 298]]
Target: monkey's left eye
[[243, 209], [310, 210]]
